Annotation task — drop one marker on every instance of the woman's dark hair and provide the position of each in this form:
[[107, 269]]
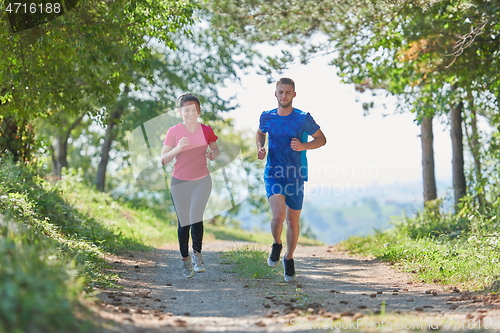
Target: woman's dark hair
[[187, 98]]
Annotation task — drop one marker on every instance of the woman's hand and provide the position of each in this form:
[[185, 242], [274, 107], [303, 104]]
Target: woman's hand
[[210, 155], [213, 152], [183, 142], [168, 153]]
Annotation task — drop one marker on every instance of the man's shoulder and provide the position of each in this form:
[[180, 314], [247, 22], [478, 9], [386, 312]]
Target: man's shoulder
[[299, 112], [270, 112]]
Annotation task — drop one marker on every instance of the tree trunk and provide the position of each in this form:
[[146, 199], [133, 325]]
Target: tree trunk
[[9, 135], [473, 139], [17, 138], [106, 147], [60, 152], [459, 185], [428, 173], [59, 155]]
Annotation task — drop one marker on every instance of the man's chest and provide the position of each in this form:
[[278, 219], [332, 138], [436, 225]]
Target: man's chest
[[286, 128]]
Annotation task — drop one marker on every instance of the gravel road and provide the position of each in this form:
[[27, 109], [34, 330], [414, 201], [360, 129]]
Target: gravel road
[[333, 291]]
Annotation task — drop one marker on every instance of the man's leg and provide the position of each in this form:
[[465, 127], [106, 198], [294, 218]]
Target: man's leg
[[278, 209], [293, 201], [292, 231]]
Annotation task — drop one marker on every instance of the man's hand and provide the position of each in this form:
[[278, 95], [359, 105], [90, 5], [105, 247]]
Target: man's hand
[[296, 145], [261, 153]]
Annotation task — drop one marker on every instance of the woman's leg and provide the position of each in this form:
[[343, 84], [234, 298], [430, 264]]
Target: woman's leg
[[181, 192], [199, 199], [181, 199], [197, 236], [183, 236], [198, 203]]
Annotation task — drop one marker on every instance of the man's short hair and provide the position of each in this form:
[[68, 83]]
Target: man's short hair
[[286, 80]]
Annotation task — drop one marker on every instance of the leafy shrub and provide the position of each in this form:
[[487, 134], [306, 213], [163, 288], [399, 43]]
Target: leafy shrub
[[39, 290]]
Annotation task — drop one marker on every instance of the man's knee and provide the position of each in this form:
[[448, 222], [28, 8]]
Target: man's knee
[[292, 223], [279, 217]]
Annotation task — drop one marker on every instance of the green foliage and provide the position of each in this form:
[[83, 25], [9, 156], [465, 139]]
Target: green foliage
[[82, 222], [16, 137], [88, 53], [40, 291], [112, 225], [40, 287], [52, 249], [412, 49], [431, 223], [461, 249], [30, 201]]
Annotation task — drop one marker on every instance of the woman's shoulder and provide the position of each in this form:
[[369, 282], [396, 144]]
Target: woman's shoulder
[[176, 128], [205, 126]]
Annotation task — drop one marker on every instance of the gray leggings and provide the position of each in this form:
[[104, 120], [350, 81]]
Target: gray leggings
[[190, 199]]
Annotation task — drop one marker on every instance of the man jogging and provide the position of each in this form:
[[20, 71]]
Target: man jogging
[[286, 168]]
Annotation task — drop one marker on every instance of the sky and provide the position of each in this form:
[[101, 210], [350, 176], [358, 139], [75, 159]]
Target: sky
[[379, 148]]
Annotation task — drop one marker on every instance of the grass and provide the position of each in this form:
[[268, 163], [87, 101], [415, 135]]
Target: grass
[[249, 262], [41, 288], [443, 254]]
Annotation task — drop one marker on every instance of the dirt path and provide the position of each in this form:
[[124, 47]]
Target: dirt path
[[333, 291]]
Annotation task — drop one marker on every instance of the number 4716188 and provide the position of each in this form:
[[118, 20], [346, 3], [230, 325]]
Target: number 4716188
[[26, 8]]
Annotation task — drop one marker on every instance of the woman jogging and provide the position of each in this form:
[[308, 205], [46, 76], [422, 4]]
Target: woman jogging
[[191, 183]]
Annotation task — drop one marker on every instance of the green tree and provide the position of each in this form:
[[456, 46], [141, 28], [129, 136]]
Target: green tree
[[90, 51], [428, 54]]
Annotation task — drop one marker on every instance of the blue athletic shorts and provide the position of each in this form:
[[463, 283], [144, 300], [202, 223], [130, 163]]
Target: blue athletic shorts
[[293, 192]]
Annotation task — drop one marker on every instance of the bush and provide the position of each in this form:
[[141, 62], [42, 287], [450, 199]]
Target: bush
[[39, 291], [430, 222]]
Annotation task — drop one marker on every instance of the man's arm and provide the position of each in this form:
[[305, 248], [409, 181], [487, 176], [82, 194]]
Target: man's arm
[[260, 140], [319, 140]]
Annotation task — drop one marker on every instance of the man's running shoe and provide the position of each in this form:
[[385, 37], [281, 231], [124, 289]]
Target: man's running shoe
[[187, 268], [199, 266], [274, 258], [289, 268]]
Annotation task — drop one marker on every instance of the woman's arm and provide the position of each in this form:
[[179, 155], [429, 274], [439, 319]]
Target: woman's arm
[[168, 153], [214, 151]]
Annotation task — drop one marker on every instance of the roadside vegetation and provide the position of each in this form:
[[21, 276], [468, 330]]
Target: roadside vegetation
[[249, 262], [53, 240], [460, 250]]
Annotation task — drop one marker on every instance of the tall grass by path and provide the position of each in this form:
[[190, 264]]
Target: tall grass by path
[[53, 239], [40, 290], [248, 262], [438, 248]]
